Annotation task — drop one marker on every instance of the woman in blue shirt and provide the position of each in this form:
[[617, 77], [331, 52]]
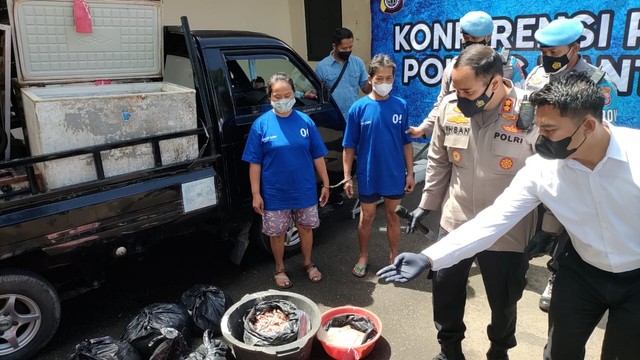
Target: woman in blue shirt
[[283, 148]]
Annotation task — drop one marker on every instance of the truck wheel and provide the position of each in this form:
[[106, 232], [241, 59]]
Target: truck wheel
[[291, 239], [29, 314]]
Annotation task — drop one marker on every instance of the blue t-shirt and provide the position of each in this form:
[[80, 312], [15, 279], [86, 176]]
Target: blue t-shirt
[[377, 130], [355, 77], [285, 148]]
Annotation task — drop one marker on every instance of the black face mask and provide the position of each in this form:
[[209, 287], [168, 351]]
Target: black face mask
[[471, 107], [554, 64], [550, 149], [344, 55], [466, 44]]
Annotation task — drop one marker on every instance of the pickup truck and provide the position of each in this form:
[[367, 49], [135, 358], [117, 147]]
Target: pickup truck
[[55, 242]]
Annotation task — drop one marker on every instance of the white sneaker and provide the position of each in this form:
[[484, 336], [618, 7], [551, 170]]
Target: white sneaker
[[545, 298]]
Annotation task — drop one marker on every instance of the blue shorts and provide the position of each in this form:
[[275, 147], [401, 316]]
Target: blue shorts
[[368, 199]]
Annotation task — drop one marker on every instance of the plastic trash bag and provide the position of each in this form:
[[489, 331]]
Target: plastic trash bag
[[211, 349], [206, 305], [171, 345], [147, 324], [281, 332], [356, 322], [104, 348]]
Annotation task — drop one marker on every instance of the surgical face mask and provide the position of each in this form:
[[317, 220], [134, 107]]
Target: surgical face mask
[[466, 44], [283, 106], [382, 89], [550, 149], [471, 107], [344, 55], [554, 64]]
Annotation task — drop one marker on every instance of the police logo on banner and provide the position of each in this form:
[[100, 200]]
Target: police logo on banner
[[391, 6]]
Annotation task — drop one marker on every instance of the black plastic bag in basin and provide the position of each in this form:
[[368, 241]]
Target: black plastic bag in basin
[[147, 325], [287, 333], [104, 348], [206, 305], [357, 322]]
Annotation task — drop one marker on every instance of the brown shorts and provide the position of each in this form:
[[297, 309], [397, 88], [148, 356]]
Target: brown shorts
[[277, 222]]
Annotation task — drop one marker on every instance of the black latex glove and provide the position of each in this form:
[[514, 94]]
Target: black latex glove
[[541, 243], [416, 215], [407, 266]]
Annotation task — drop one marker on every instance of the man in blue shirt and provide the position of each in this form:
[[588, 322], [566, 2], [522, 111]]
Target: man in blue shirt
[[376, 132], [345, 92]]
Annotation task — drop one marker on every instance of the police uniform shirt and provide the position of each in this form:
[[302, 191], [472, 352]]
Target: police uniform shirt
[[471, 161], [512, 70], [538, 78], [599, 207]]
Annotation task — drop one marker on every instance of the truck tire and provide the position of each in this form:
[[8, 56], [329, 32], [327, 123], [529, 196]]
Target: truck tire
[[30, 313], [291, 239]]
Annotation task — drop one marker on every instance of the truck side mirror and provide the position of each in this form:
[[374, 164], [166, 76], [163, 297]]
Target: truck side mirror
[[326, 94]]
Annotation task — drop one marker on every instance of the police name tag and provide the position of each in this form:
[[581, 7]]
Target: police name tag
[[199, 194]]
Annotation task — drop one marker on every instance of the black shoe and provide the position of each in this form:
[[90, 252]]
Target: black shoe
[[495, 353], [450, 352]]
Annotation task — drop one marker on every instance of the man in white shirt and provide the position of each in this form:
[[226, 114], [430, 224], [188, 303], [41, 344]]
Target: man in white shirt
[[587, 172]]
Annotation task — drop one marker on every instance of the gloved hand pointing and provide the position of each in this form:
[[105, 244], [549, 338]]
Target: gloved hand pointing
[[416, 215], [407, 266]]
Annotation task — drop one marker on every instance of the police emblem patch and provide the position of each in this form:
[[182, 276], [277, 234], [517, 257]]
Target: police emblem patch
[[480, 103], [509, 117], [556, 65], [511, 128], [506, 163], [458, 120], [457, 157]]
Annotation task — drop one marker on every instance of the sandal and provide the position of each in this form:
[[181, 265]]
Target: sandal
[[313, 273], [281, 279], [359, 271]]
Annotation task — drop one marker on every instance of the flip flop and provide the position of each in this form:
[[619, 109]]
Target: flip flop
[[359, 271], [313, 273], [281, 279]]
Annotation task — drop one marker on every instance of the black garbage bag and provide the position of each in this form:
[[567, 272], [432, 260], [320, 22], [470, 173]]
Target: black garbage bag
[[146, 326], [357, 322], [211, 349], [271, 323], [104, 348], [171, 345], [206, 305]]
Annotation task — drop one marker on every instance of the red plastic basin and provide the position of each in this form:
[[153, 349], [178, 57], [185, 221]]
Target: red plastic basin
[[357, 352]]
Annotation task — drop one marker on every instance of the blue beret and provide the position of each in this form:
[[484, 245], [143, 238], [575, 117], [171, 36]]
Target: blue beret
[[477, 23], [560, 32]]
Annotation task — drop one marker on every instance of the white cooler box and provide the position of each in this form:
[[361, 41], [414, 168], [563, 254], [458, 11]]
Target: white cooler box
[[70, 112], [71, 117]]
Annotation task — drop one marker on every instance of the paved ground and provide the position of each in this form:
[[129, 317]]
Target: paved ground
[[405, 310]]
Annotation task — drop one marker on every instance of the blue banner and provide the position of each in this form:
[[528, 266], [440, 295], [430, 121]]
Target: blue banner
[[424, 35]]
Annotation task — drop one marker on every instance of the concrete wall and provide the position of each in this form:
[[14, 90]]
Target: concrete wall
[[283, 19]]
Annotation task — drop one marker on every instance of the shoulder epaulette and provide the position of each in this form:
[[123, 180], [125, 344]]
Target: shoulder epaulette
[[597, 76], [504, 54]]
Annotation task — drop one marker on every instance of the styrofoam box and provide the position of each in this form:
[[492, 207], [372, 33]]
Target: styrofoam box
[[70, 117]]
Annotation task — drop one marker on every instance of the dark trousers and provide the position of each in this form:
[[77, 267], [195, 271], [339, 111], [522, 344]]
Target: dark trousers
[[503, 274], [581, 295]]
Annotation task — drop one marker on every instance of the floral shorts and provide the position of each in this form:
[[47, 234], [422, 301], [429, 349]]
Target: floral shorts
[[276, 222]]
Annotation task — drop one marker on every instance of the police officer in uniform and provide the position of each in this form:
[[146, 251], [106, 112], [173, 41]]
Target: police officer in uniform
[[477, 28], [475, 151], [560, 47]]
